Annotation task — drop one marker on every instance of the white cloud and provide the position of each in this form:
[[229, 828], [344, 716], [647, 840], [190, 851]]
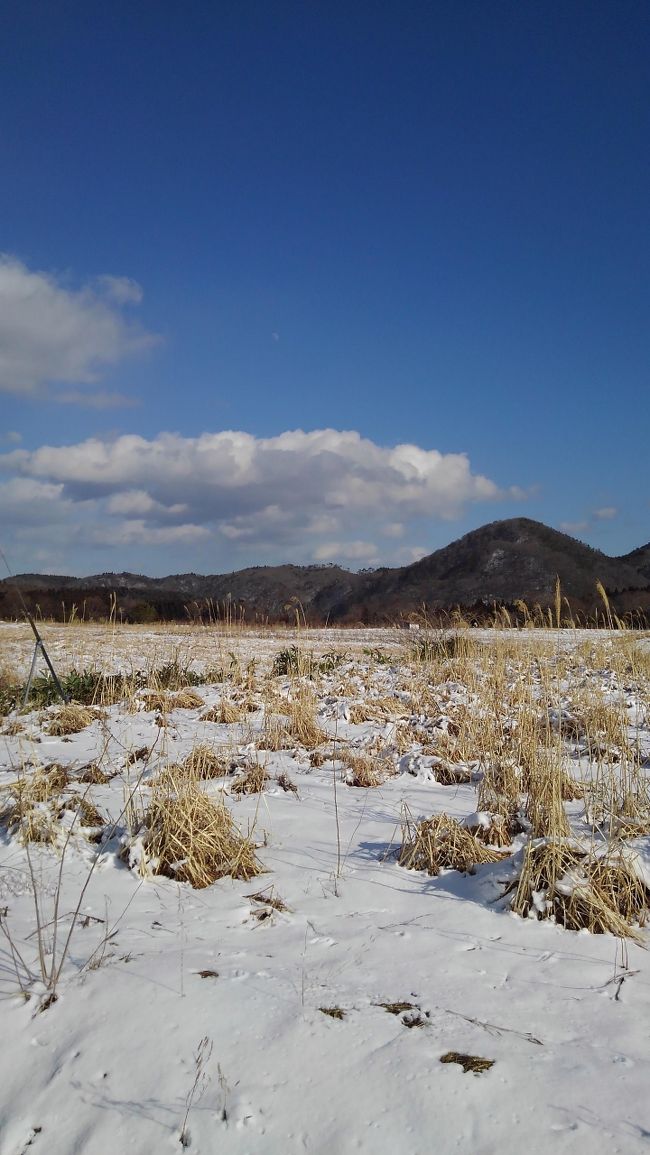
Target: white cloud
[[25, 501], [138, 532], [411, 553], [50, 333], [135, 502], [573, 526], [122, 290], [606, 513], [233, 473], [297, 496], [346, 551]]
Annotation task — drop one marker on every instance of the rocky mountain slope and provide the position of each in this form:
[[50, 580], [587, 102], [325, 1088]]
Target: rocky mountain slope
[[505, 561]]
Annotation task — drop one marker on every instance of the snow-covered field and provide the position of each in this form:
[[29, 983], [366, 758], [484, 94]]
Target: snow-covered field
[[309, 1008]]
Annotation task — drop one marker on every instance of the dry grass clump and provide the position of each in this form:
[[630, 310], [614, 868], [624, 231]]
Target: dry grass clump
[[164, 702], [631, 828], [450, 774], [562, 881], [225, 713], [441, 843], [12, 728], [596, 721], [203, 762], [618, 801], [26, 808], [493, 829], [252, 781], [362, 771], [402, 738], [192, 839], [87, 813], [275, 735], [377, 710], [34, 807], [302, 725], [10, 690], [285, 783], [500, 790], [93, 774], [296, 727], [549, 786], [33, 824], [473, 1063], [43, 785], [71, 719]]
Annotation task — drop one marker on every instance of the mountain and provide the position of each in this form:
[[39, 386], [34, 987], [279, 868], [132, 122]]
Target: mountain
[[639, 559], [505, 561]]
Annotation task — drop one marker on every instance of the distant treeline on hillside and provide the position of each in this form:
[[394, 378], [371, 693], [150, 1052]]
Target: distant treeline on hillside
[[508, 568]]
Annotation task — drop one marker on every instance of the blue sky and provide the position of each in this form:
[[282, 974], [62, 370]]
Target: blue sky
[[320, 281]]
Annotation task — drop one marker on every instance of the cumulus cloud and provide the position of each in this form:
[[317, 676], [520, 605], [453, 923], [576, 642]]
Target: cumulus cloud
[[23, 499], [232, 473], [317, 495], [574, 526], [50, 333]]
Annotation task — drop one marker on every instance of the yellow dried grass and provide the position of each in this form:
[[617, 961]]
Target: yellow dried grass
[[192, 839], [441, 843], [252, 781], [71, 719], [164, 702], [362, 771], [225, 713], [562, 881], [204, 762]]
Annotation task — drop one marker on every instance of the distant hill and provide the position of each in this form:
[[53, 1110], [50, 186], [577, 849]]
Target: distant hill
[[502, 562], [639, 559], [505, 561]]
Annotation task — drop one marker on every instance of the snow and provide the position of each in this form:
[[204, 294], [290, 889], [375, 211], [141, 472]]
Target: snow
[[111, 1064]]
